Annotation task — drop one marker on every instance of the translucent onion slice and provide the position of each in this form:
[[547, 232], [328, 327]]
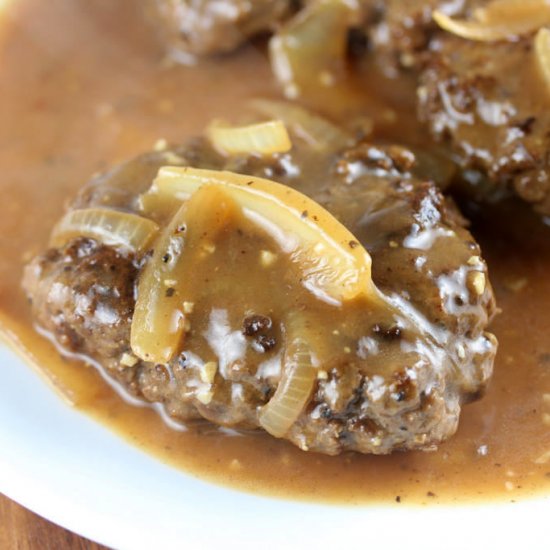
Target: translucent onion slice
[[315, 130], [504, 11], [542, 52], [111, 227], [158, 323], [333, 264], [496, 26], [265, 138], [309, 52], [293, 392]]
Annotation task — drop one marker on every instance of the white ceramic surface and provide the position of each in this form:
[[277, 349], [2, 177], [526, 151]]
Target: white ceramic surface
[[75, 472]]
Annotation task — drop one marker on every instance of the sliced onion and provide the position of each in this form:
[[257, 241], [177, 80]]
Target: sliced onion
[[309, 53], [504, 11], [333, 264], [317, 131], [111, 227], [158, 323], [265, 138], [542, 51], [293, 392], [499, 22]]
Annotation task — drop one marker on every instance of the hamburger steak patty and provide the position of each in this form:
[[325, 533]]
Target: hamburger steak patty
[[490, 103], [398, 386], [487, 101]]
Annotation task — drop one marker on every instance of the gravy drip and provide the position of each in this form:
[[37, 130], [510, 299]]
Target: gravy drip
[[84, 87]]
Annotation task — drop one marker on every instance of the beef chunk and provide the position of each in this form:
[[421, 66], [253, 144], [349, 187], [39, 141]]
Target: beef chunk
[[204, 27], [398, 384]]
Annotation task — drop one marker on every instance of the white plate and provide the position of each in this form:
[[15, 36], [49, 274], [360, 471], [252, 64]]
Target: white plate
[[74, 472]]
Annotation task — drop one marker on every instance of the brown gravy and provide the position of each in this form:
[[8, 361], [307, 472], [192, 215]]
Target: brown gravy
[[82, 88]]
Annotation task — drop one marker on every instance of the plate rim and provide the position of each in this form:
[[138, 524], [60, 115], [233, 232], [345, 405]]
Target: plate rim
[[77, 473]]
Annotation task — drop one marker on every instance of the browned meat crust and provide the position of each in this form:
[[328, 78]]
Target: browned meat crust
[[403, 383]]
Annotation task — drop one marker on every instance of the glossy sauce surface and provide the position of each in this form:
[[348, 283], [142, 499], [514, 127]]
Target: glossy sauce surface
[[77, 101]]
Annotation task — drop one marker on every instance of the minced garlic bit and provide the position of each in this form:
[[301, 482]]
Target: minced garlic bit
[[205, 396], [543, 458], [347, 349], [129, 360], [394, 244], [235, 465], [546, 419], [420, 439], [509, 486], [327, 79], [407, 60], [476, 282], [187, 325], [460, 351], [292, 91], [322, 375], [546, 398], [210, 248], [170, 283], [188, 307], [422, 93], [516, 285], [160, 145], [208, 372], [267, 258]]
